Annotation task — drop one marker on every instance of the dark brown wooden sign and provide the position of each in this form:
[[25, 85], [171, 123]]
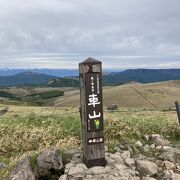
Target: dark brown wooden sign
[[92, 112], [178, 110]]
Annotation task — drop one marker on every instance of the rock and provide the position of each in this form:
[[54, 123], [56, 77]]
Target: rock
[[146, 137], [23, 171], [153, 146], [168, 174], [49, 160], [112, 107], [130, 149], [120, 167], [168, 155], [167, 148], [139, 157], [129, 162], [159, 147], [2, 165], [160, 163], [148, 178], [135, 178], [125, 155], [138, 144], [63, 177], [68, 166], [121, 147], [117, 149], [176, 176], [169, 165], [106, 149], [159, 140], [147, 167], [116, 157], [110, 161], [135, 150], [99, 170], [78, 171], [146, 148]]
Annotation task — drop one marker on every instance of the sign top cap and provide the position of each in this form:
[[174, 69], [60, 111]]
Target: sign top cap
[[91, 61]]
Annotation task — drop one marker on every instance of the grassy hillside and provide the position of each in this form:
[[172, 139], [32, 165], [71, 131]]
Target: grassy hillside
[[27, 130], [64, 82], [155, 95]]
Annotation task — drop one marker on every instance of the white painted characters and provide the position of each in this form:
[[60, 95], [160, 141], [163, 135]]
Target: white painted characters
[[93, 100], [94, 115]]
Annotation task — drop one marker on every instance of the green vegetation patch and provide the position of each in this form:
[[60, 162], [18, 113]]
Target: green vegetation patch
[[47, 94]]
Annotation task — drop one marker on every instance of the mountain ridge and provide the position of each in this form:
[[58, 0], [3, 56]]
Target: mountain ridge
[[113, 78]]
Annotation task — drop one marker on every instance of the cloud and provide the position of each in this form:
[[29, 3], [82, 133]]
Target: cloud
[[106, 29]]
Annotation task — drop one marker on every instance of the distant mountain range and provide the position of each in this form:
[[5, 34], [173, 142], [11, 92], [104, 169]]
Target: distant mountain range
[[25, 78], [52, 72], [114, 78], [142, 76]]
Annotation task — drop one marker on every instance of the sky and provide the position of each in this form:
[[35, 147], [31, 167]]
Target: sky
[[61, 33]]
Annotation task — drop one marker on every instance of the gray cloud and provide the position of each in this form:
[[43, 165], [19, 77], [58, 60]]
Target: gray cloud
[[124, 34]]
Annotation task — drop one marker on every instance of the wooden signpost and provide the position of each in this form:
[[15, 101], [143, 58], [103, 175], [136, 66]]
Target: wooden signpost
[[91, 110], [178, 110]]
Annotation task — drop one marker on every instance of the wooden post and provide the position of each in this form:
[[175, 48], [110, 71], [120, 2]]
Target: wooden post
[[91, 110], [178, 110]]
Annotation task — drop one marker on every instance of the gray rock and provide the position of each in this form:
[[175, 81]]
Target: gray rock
[[110, 161], [63, 177], [116, 157], [23, 171], [99, 170], [168, 175], [139, 157], [169, 165], [49, 160], [160, 163], [146, 137], [106, 149], [147, 167], [159, 140], [129, 162], [112, 107], [176, 176], [136, 150], [159, 147], [167, 148], [121, 147], [68, 166], [168, 155], [125, 155], [117, 149], [2, 165], [148, 178], [120, 167], [146, 148], [153, 146], [138, 144], [77, 171], [135, 178]]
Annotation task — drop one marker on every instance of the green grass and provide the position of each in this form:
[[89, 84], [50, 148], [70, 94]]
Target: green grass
[[34, 130], [47, 94]]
